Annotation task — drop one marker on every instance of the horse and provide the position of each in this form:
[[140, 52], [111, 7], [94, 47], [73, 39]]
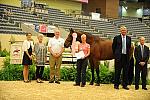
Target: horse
[[100, 49]]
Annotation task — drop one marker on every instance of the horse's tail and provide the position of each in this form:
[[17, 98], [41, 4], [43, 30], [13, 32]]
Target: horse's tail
[[131, 51]]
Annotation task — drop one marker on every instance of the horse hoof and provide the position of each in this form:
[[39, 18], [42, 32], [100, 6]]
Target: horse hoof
[[91, 83], [97, 84]]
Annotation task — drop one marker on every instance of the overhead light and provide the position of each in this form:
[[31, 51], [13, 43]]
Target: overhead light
[[139, 11]]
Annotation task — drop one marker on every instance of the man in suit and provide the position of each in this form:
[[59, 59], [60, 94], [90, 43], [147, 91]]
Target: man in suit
[[142, 56], [121, 47]]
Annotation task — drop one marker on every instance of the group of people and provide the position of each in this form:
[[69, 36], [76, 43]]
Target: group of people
[[55, 47], [121, 49]]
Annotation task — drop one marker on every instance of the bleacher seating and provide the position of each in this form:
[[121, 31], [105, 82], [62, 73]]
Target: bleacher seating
[[59, 18], [135, 27], [147, 21], [7, 27], [21, 15], [56, 17]]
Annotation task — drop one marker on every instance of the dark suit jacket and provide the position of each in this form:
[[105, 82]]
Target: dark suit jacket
[[117, 46], [138, 55]]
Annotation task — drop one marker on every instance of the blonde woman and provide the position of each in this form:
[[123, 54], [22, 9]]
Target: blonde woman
[[27, 48], [82, 62], [40, 50]]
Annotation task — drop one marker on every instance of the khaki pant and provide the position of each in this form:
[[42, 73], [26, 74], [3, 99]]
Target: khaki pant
[[55, 64]]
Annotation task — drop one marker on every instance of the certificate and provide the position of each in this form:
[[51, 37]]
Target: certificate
[[80, 55]]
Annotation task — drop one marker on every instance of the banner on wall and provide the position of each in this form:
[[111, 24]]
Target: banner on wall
[[43, 28], [95, 16], [36, 27], [50, 28], [16, 54]]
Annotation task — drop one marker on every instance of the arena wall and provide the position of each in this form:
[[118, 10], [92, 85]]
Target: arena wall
[[112, 8], [58, 4], [62, 4], [109, 8], [11, 2], [93, 4]]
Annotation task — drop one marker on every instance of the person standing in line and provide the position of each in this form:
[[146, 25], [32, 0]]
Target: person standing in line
[[82, 62], [56, 48], [27, 48], [40, 50], [142, 56], [121, 47]]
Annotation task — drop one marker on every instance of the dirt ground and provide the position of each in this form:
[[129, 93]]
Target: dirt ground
[[18, 90]]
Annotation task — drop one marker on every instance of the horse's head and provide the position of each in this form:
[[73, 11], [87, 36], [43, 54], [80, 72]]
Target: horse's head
[[69, 39], [68, 42]]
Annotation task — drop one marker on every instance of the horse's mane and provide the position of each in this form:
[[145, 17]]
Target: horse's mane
[[89, 35], [96, 38]]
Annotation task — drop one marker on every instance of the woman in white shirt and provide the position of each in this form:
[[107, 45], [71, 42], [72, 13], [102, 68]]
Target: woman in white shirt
[[27, 56]]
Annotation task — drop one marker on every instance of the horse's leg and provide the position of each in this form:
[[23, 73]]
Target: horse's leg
[[97, 73], [92, 71], [93, 78]]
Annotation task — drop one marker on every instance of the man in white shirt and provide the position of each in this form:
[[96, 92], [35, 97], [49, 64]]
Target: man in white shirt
[[56, 48]]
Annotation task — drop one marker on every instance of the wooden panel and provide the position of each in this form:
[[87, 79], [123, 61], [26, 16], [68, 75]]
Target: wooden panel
[[93, 4], [112, 8], [109, 8], [62, 4]]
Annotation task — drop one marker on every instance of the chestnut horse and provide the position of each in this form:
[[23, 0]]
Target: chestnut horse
[[100, 49]]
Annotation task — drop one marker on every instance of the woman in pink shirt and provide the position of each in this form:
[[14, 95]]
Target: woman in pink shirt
[[82, 62]]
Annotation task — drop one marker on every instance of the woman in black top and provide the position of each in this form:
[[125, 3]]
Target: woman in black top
[[27, 56]]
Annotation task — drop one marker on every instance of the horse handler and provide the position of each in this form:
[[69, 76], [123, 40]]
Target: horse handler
[[82, 62]]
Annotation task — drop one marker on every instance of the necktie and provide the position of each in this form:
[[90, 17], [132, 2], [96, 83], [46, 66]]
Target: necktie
[[142, 50], [123, 46]]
